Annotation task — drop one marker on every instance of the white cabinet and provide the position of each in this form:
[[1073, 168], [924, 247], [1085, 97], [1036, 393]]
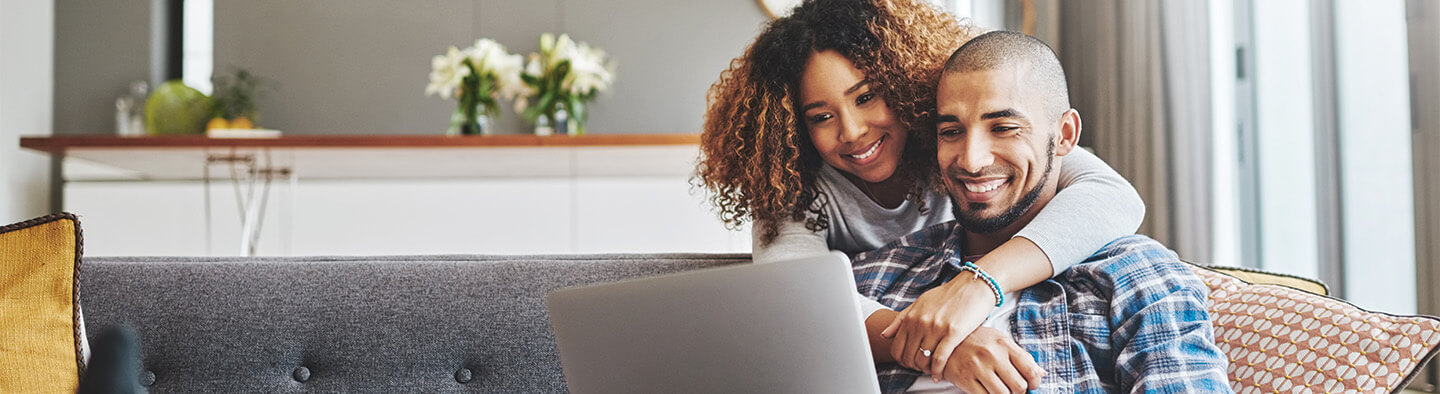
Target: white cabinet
[[585, 200]]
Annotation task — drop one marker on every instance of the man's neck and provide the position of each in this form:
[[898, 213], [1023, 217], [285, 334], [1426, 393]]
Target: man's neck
[[982, 243], [977, 244]]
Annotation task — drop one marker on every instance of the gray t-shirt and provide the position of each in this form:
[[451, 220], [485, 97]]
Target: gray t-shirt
[[1094, 206], [853, 215]]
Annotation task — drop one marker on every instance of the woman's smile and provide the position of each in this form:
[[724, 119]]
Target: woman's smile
[[869, 154]]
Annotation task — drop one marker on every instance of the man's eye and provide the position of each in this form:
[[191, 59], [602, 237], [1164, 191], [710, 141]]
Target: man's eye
[[1003, 129], [949, 132], [864, 98]]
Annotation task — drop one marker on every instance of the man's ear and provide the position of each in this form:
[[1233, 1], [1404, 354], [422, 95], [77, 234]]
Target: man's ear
[[1069, 135]]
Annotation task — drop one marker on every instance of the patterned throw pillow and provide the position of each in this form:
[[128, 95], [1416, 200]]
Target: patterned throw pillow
[[41, 339], [1281, 339]]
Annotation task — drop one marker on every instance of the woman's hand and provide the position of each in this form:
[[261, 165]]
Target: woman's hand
[[988, 361], [938, 321]]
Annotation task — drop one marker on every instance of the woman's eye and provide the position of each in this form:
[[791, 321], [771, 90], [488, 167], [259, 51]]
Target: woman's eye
[[949, 132], [864, 98], [819, 118]]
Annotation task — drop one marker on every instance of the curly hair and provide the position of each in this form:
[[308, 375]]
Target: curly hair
[[757, 159]]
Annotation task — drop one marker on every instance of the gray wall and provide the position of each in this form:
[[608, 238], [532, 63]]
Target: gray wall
[[361, 66], [100, 47]]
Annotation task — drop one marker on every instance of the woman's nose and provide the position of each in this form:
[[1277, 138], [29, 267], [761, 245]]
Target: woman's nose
[[851, 128]]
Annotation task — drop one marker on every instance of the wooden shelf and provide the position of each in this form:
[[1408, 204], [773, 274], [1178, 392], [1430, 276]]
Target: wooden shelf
[[59, 145]]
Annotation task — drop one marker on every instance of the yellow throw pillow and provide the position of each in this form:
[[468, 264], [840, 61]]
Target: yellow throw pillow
[[1269, 278], [40, 335]]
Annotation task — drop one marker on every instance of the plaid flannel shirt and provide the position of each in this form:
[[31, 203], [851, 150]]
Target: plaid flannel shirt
[[1130, 318]]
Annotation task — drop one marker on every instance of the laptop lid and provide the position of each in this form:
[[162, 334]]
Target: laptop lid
[[785, 327]]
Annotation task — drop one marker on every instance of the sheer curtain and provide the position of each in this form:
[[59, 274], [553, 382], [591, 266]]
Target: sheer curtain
[[1139, 73]]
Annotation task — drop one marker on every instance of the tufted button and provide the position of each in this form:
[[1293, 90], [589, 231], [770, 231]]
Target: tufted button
[[463, 375], [147, 379], [301, 374]]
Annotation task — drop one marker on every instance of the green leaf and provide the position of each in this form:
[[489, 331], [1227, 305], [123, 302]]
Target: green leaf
[[576, 108]]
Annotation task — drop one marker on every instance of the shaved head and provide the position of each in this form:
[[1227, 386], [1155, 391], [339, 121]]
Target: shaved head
[[1004, 49]]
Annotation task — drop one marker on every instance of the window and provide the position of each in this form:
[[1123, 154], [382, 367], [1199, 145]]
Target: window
[[198, 59], [1322, 158]]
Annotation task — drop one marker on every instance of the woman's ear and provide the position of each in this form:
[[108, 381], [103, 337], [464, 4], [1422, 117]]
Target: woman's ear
[[1069, 135]]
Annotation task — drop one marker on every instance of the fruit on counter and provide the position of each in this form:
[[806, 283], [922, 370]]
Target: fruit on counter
[[241, 123], [174, 108], [217, 123]]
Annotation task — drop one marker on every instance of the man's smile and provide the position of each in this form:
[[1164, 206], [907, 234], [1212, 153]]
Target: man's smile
[[980, 190]]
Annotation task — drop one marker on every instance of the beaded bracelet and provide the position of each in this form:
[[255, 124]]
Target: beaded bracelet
[[980, 274]]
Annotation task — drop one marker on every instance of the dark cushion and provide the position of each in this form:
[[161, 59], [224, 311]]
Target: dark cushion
[[351, 324]]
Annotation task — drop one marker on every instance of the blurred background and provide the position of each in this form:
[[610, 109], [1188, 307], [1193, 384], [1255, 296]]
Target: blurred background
[[1287, 135]]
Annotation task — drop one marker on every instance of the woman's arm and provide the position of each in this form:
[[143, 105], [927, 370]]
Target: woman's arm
[[794, 241], [1094, 205]]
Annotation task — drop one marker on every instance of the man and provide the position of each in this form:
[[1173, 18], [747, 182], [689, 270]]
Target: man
[[1130, 318]]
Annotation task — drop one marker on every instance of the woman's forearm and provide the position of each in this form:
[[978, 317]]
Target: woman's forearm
[[1015, 264]]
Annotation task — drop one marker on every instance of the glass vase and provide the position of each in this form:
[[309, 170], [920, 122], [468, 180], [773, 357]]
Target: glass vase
[[474, 123], [560, 122]]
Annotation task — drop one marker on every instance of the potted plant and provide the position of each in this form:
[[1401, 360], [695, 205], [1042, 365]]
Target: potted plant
[[235, 100]]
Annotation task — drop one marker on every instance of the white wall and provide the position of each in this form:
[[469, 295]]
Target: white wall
[[27, 47]]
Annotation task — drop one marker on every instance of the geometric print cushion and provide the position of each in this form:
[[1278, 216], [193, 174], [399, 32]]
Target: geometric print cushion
[[1280, 339]]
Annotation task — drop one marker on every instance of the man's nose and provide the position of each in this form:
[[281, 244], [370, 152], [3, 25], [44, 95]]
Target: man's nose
[[975, 155]]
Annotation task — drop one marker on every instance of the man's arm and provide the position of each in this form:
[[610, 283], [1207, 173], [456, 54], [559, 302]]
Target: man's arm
[[1165, 336]]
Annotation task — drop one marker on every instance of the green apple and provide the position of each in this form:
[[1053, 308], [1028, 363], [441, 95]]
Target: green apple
[[177, 109]]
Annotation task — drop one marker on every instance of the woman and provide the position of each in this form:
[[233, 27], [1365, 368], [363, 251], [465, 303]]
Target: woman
[[820, 134]]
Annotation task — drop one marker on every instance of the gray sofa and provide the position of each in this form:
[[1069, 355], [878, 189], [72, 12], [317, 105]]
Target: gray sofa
[[351, 324]]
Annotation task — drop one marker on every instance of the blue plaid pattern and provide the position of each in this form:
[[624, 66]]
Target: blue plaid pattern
[[1130, 318]]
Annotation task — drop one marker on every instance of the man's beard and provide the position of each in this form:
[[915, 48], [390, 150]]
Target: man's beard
[[981, 225]]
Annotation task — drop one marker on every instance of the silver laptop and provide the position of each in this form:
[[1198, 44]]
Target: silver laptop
[[787, 327]]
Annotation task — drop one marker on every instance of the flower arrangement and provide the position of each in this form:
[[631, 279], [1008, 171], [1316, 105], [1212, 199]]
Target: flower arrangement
[[561, 79], [478, 76]]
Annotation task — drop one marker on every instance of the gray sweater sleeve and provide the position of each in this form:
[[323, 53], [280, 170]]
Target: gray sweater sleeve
[[1094, 206], [796, 241]]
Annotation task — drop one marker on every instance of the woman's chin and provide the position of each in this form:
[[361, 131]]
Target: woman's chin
[[876, 175]]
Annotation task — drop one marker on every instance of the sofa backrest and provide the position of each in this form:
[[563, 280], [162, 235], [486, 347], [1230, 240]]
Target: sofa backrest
[[351, 324]]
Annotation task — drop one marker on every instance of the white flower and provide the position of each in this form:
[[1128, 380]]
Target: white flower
[[446, 73], [491, 60], [589, 72], [508, 71], [533, 68]]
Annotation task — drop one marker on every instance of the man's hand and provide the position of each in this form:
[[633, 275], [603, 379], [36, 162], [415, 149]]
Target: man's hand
[[988, 361], [938, 321]]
